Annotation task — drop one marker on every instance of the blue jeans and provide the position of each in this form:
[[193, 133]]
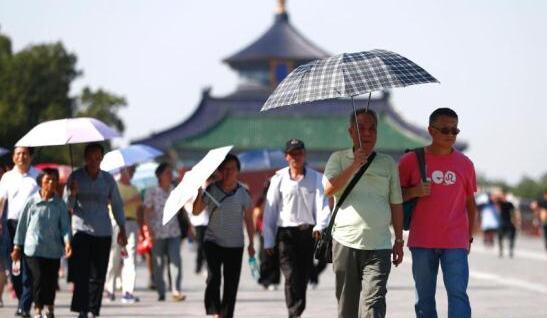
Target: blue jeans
[[425, 265]]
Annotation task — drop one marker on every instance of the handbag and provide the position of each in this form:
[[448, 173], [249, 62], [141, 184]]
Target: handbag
[[409, 205], [323, 247], [144, 243]]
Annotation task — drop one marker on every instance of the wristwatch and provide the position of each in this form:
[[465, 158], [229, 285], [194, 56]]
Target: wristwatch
[[399, 240]]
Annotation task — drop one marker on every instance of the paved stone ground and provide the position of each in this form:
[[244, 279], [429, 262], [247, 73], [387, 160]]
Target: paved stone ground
[[499, 287]]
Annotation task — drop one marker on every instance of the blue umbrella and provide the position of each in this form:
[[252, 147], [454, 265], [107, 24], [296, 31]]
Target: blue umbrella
[[128, 156], [3, 151], [261, 159]]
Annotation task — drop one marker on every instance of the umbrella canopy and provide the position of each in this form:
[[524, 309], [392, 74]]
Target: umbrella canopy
[[192, 181], [128, 156], [261, 159], [347, 75], [3, 151], [67, 131]]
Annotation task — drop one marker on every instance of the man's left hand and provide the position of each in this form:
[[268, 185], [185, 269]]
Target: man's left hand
[[316, 235], [397, 253], [122, 238]]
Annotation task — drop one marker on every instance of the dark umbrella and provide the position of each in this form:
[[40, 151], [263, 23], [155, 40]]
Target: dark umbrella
[[347, 75]]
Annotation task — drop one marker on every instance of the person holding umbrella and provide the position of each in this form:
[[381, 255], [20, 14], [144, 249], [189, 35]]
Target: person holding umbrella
[[43, 232], [229, 204], [90, 192], [441, 231], [361, 235], [16, 186]]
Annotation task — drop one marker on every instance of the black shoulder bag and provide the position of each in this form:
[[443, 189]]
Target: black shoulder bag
[[408, 206], [323, 247]]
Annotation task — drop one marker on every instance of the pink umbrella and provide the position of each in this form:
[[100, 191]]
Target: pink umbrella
[[67, 131]]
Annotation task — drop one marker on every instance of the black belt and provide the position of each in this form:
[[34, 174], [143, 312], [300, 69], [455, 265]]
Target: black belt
[[301, 227]]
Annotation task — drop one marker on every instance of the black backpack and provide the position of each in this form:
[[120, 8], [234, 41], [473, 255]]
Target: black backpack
[[408, 206]]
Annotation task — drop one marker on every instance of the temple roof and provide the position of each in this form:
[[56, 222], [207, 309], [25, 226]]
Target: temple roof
[[280, 41], [322, 125]]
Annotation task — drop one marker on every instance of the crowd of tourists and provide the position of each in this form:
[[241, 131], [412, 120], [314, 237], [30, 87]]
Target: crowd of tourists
[[101, 224]]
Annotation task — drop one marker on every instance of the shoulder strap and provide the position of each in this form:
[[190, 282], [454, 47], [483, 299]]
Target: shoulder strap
[[348, 189], [420, 155]]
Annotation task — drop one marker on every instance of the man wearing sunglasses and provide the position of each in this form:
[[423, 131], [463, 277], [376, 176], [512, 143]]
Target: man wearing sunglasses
[[442, 222]]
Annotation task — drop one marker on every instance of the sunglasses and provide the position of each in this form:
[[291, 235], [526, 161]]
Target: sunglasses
[[446, 130]]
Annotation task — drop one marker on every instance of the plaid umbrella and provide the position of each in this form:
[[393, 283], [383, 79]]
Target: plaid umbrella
[[347, 75]]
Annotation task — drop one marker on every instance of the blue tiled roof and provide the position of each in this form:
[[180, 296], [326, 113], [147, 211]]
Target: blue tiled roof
[[281, 41]]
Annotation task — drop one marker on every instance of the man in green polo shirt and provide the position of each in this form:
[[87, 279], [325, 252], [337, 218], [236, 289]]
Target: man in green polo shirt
[[361, 236]]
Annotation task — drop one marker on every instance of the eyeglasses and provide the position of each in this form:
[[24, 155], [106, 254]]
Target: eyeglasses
[[447, 130]]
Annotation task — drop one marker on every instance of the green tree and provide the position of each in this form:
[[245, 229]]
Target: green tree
[[529, 188], [103, 105], [34, 87]]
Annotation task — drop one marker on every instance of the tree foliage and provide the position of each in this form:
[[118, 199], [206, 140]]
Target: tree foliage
[[529, 188], [35, 87]]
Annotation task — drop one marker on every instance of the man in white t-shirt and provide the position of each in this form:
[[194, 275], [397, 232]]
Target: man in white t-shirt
[[295, 212], [16, 186]]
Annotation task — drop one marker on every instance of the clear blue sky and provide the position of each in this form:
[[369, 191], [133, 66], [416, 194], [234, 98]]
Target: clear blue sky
[[490, 56]]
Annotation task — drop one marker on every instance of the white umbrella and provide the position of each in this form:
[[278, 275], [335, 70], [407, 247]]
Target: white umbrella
[[128, 156], [67, 131], [192, 181]]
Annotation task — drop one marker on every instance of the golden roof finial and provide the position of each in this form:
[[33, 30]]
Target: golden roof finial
[[281, 8]]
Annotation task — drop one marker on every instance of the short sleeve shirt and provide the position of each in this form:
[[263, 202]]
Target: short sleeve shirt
[[16, 188], [225, 226], [440, 219], [155, 199], [128, 192], [364, 218]]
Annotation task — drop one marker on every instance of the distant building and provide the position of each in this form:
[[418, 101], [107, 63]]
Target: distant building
[[235, 119]]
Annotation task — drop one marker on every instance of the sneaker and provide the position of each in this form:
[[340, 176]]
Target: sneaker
[[110, 296], [272, 287], [178, 297], [21, 313], [129, 299]]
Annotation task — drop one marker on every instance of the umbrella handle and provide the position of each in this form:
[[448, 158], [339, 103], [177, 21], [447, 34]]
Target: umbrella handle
[[357, 124], [211, 197]]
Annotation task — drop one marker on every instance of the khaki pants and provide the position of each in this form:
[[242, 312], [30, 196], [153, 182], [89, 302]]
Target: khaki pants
[[361, 279]]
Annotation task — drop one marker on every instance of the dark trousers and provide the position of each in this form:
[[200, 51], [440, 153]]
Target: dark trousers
[[545, 234], [22, 284], [510, 232], [270, 273], [45, 272], [200, 256], [88, 266], [296, 260], [230, 259], [316, 270]]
